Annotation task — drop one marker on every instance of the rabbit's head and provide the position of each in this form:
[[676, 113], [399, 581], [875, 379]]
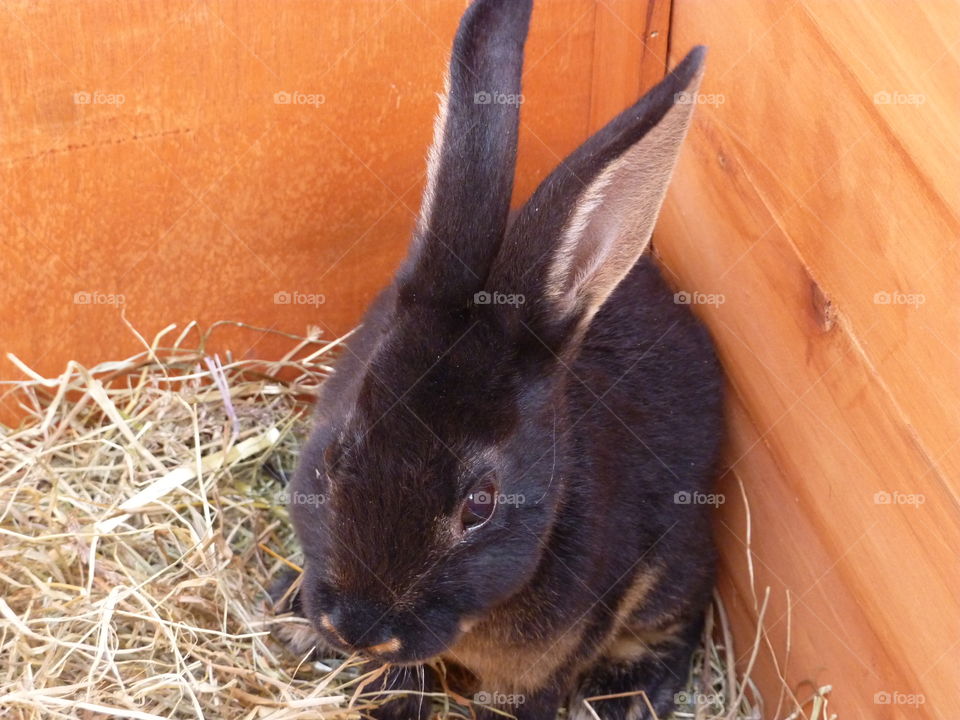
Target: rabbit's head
[[428, 489]]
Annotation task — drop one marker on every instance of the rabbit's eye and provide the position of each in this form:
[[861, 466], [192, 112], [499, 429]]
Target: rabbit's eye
[[479, 506]]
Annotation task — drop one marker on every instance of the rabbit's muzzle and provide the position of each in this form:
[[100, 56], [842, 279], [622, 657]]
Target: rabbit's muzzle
[[388, 636]]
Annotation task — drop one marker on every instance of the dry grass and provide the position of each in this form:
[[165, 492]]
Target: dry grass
[[139, 529]]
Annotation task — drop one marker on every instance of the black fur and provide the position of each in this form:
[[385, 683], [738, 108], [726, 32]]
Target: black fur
[[587, 439], [452, 256]]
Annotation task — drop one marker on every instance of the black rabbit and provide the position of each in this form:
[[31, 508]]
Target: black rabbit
[[506, 463]]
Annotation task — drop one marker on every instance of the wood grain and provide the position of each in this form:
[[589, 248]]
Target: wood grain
[[200, 196], [817, 197], [629, 54]]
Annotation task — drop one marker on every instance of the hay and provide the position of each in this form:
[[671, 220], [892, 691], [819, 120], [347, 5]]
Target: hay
[[141, 521]]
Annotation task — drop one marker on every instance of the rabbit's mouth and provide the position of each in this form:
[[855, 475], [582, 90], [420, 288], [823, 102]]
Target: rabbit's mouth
[[394, 653], [388, 647]]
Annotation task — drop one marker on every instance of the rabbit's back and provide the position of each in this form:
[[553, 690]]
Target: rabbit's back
[[649, 385]]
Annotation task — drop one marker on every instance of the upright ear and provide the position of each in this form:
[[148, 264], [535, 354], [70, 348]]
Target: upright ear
[[587, 224], [471, 163]]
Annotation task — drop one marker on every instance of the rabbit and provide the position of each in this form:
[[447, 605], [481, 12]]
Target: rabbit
[[500, 472]]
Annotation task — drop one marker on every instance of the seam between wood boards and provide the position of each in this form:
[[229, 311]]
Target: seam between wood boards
[[588, 128], [669, 52]]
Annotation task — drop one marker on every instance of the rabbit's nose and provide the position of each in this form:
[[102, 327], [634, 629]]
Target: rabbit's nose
[[360, 634]]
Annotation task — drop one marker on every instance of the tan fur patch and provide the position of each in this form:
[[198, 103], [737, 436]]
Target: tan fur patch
[[507, 663], [391, 645], [635, 642], [622, 631], [328, 626]]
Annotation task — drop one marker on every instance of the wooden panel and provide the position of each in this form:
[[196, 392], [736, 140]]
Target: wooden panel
[[817, 197], [629, 54], [197, 159]]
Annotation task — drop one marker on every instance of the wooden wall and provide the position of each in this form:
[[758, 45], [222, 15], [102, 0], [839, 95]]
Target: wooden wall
[[144, 154], [819, 195]]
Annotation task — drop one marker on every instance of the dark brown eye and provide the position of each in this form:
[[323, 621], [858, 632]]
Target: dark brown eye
[[479, 506]]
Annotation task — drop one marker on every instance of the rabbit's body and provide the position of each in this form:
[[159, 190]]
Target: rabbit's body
[[639, 433], [500, 450]]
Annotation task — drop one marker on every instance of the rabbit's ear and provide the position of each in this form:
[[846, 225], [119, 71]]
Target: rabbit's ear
[[590, 220], [471, 163]]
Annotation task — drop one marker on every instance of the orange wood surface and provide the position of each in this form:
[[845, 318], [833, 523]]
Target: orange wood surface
[[184, 187], [818, 195], [629, 54]]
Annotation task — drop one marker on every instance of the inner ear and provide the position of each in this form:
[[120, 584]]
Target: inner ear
[[589, 221], [613, 220]]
